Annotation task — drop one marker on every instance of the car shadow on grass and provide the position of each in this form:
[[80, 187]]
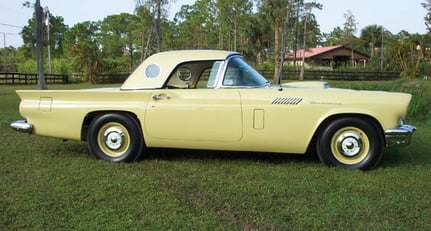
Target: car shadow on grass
[[209, 155], [79, 149], [392, 157]]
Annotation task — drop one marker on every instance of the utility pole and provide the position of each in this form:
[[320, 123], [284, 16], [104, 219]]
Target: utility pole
[[308, 8], [39, 45], [4, 52], [295, 47], [382, 57], [158, 33], [47, 36]]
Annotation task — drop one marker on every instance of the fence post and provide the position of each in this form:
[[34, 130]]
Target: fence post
[[65, 79]]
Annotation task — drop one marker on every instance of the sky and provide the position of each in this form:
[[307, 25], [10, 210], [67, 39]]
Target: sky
[[393, 15]]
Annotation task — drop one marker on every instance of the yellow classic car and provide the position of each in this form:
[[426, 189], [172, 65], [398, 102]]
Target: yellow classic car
[[214, 100]]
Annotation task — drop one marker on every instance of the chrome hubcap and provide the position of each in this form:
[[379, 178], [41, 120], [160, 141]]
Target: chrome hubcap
[[349, 144], [113, 138]]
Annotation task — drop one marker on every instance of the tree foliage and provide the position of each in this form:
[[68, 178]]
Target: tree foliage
[[56, 36], [196, 26], [263, 30], [427, 6], [119, 41], [82, 42]]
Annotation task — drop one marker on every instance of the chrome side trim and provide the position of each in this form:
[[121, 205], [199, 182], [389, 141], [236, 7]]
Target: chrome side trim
[[287, 100], [22, 126], [400, 136]]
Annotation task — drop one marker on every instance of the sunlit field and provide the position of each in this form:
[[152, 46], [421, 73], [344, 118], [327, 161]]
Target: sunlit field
[[49, 184]]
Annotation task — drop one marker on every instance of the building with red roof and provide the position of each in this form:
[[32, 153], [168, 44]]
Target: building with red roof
[[328, 57]]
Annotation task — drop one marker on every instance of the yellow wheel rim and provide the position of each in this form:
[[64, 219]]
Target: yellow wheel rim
[[350, 145], [113, 139]]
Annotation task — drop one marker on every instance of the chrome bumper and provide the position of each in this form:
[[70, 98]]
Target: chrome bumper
[[22, 126], [400, 136]]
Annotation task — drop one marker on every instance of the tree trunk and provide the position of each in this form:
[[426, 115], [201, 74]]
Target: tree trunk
[[158, 33]]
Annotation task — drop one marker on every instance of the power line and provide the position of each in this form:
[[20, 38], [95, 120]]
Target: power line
[[9, 25], [4, 37], [7, 33]]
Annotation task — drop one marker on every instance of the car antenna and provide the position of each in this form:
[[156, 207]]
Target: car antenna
[[280, 69], [280, 73]]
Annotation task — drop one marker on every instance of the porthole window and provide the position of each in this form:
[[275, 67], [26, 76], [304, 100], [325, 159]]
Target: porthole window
[[152, 71], [184, 74]]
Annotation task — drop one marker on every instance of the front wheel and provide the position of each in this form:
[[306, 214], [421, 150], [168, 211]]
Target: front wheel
[[351, 143], [115, 137]]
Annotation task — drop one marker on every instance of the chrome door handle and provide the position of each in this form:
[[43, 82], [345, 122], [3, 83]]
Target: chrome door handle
[[160, 96]]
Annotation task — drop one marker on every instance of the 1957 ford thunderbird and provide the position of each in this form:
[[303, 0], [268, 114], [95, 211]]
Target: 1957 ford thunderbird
[[214, 100]]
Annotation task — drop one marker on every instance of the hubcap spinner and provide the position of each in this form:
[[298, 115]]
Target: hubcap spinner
[[349, 144], [113, 138]]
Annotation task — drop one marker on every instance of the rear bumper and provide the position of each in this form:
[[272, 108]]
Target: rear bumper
[[22, 126], [400, 136]]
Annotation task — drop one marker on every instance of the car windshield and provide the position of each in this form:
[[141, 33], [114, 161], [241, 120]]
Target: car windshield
[[240, 73]]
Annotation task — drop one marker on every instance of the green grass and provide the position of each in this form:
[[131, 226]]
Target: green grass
[[48, 184]]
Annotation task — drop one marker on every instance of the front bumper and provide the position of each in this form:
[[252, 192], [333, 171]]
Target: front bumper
[[22, 126], [400, 136]]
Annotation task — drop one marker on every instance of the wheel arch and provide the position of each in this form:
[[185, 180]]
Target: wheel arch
[[89, 117], [328, 120]]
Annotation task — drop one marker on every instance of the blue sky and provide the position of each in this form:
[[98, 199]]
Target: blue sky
[[393, 15]]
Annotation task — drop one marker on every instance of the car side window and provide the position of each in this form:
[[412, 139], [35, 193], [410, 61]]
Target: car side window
[[232, 75], [213, 74], [239, 73], [190, 75]]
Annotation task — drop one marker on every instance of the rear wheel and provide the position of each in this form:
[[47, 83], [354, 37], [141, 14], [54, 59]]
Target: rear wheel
[[351, 143], [115, 137]]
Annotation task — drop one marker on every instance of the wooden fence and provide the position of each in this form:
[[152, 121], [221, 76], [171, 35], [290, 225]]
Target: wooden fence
[[333, 75], [13, 78], [112, 78], [23, 78]]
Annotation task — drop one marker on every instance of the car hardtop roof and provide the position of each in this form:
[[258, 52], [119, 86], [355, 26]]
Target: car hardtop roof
[[183, 55], [153, 71]]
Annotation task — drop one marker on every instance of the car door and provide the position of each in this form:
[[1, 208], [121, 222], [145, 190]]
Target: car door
[[210, 115]]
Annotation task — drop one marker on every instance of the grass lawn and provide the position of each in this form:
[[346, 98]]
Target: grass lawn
[[48, 184]]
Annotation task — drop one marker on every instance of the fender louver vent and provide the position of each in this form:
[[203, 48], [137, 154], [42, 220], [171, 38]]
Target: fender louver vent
[[288, 101]]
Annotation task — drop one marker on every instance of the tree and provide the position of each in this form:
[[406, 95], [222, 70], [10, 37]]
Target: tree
[[427, 6], [81, 41], [373, 38], [196, 26], [333, 38], [349, 30], [262, 33], [56, 35], [256, 33], [288, 16], [12, 58], [409, 54], [231, 15], [274, 12], [146, 20], [120, 38], [308, 8], [155, 7], [57, 28], [38, 40]]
